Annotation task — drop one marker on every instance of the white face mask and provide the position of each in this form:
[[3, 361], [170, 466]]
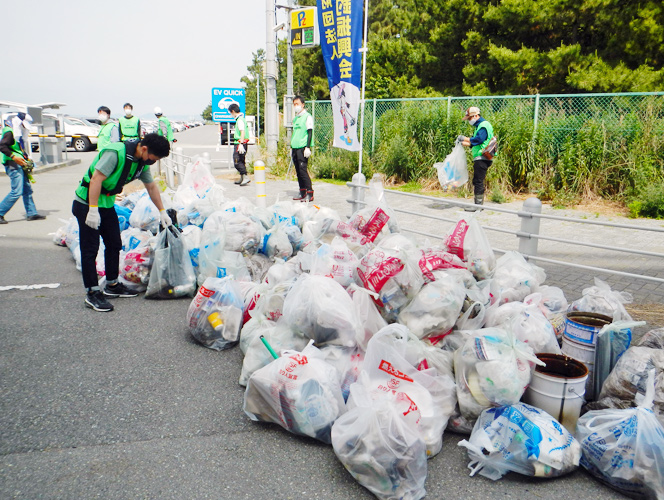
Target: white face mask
[[103, 117], [127, 112], [473, 121], [297, 108]]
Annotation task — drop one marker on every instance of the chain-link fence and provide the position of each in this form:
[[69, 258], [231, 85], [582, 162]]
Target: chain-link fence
[[551, 119]]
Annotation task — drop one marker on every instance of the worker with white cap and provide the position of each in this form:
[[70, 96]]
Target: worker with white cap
[[164, 125], [478, 143]]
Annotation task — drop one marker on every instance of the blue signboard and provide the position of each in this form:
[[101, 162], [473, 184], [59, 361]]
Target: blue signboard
[[224, 97]]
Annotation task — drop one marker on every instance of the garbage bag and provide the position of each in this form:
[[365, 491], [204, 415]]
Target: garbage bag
[[436, 307], [271, 298], [256, 355], [653, 339], [367, 312], [145, 215], [428, 397], [382, 451], [299, 391], [528, 324], [468, 241], [258, 266], [371, 222], [320, 308], [612, 342], [492, 368], [276, 244], [124, 214], [215, 314], [191, 236], [325, 230], [553, 304], [335, 260], [215, 261], [625, 448], [434, 259], [348, 362], [172, 274], [602, 300], [453, 171], [240, 232], [514, 278], [523, 439], [197, 175]]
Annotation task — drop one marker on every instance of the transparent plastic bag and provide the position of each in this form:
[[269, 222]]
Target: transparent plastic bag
[[298, 391], [145, 215], [335, 260], [379, 448], [215, 314], [528, 324], [553, 304], [453, 171], [198, 176], [172, 274], [522, 439], [468, 241], [514, 278], [625, 448], [368, 313], [348, 362], [602, 300]]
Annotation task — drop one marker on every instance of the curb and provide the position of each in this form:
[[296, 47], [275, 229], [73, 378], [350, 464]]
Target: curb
[[51, 166]]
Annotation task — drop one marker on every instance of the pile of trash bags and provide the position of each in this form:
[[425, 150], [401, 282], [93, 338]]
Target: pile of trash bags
[[358, 336]]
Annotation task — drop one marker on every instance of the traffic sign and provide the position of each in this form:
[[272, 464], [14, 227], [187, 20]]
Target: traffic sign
[[304, 33], [224, 97]]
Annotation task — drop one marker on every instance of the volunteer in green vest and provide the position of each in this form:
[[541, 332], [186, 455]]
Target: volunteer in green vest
[[240, 144], [130, 125], [109, 131], [164, 125], [303, 129], [94, 208], [477, 143], [14, 159]]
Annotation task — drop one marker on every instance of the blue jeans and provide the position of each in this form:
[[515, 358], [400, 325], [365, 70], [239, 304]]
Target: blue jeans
[[20, 186]]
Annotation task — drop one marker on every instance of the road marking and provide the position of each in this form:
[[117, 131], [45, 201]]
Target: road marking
[[29, 287]]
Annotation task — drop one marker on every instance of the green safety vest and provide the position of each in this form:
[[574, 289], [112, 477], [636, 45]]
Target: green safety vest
[[238, 132], [129, 128], [300, 133], [477, 150], [125, 172], [104, 135], [169, 129], [16, 148]]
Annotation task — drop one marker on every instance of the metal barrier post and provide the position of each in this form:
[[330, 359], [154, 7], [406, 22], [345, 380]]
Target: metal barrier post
[[169, 175], [529, 225], [357, 193], [259, 180], [179, 163]]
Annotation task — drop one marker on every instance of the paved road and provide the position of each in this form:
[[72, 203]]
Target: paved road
[[127, 405]]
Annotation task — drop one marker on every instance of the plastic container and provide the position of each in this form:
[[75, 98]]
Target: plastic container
[[558, 388], [583, 327], [586, 354]]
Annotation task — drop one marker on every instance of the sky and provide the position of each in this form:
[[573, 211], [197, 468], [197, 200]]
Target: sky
[[164, 53]]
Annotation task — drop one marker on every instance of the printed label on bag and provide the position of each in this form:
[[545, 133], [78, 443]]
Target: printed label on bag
[[376, 277], [456, 239], [432, 260], [375, 224], [387, 367], [221, 272]]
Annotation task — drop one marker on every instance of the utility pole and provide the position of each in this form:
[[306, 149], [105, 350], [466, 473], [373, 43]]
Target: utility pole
[[288, 112], [271, 106]]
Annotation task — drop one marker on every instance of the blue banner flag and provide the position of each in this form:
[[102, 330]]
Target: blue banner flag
[[340, 24]]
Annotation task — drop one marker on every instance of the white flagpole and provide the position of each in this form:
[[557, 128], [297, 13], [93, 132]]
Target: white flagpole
[[364, 79]]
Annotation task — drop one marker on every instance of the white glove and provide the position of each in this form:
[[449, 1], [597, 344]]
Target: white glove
[[307, 152], [240, 149], [165, 219], [93, 219]]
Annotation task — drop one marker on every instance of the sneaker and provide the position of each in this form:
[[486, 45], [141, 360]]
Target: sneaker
[[119, 290], [245, 181], [2, 220], [36, 217], [96, 300]]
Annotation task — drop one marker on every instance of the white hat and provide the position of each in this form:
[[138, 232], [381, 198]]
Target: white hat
[[473, 110], [27, 121], [157, 111]]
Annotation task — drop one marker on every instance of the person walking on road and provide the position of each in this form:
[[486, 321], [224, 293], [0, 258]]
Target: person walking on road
[[303, 129], [164, 128], [477, 143], [21, 127], [94, 208], [130, 125], [240, 144], [14, 159], [109, 131]]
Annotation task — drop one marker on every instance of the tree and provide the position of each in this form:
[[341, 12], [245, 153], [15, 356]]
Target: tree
[[207, 112]]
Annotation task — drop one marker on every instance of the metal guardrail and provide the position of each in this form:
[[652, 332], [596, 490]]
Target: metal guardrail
[[529, 233]]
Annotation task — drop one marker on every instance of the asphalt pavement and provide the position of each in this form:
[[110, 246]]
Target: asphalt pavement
[[127, 405]]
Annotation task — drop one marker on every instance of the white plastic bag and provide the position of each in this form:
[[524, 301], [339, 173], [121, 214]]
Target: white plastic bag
[[198, 176], [602, 300], [514, 278], [379, 448], [453, 171], [299, 391], [523, 439], [528, 324], [468, 241], [367, 312], [553, 304], [145, 215]]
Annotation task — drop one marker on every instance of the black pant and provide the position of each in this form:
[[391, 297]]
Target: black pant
[[239, 159], [480, 168], [301, 164], [109, 230]]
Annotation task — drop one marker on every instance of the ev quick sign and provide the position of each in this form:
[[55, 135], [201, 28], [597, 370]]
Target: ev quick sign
[[224, 97]]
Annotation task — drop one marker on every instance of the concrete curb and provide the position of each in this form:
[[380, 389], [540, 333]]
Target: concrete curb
[[51, 166]]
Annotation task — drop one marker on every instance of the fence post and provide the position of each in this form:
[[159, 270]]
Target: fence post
[[529, 225], [449, 109], [259, 182], [313, 118], [373, 127], [536, 117], [357, 193]]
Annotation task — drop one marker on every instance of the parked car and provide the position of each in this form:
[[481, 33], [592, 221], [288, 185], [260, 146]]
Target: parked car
[[84, 133]]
